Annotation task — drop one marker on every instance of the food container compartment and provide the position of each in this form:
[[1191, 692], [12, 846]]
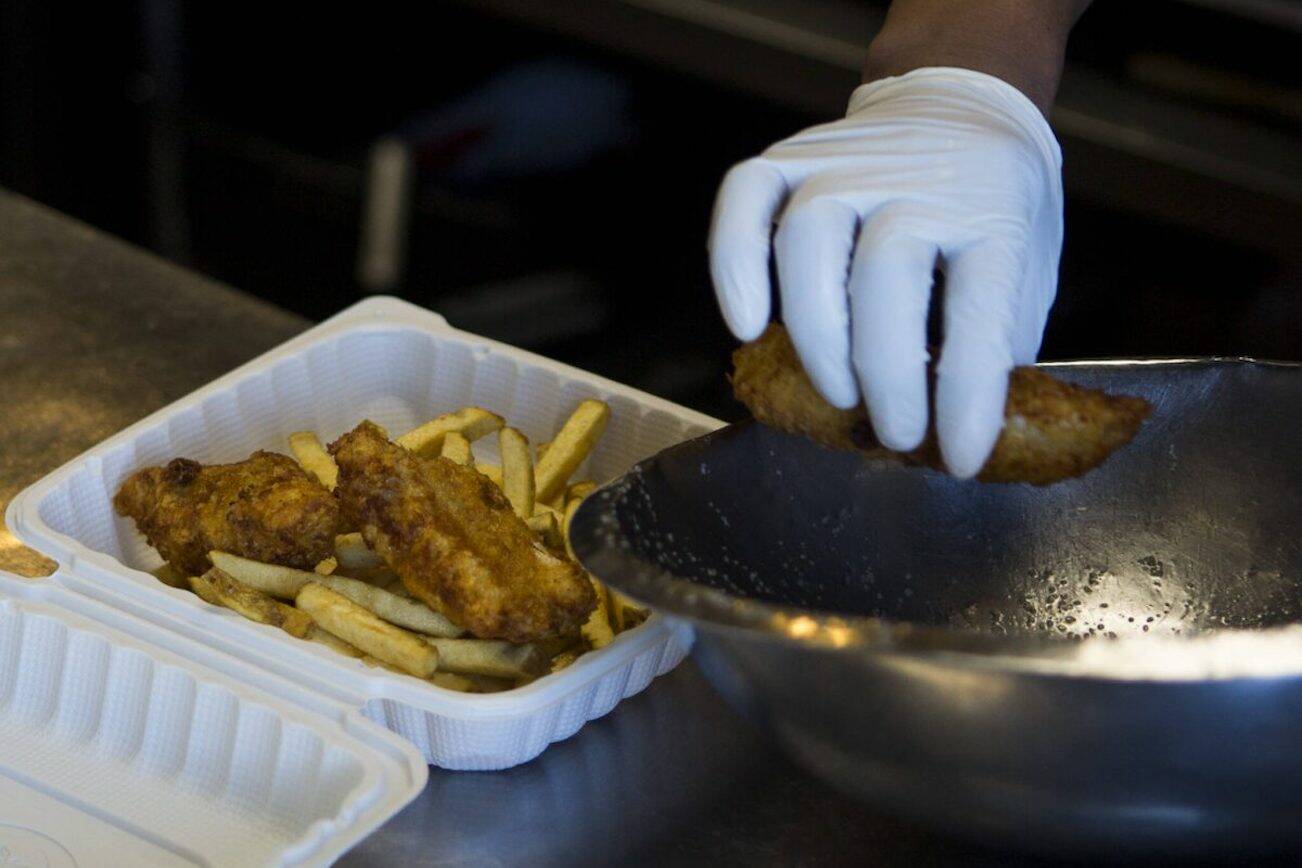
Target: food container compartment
[[116, 745], [397, 365]]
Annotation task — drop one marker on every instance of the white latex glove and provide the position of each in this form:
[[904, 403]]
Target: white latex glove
[[939, 163]]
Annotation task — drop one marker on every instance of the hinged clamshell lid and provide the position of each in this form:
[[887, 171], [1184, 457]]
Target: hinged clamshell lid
[[128, 744]]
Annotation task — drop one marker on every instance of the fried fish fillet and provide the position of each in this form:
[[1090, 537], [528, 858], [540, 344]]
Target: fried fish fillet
[[451, 536], [1052, 430], [265, 508]]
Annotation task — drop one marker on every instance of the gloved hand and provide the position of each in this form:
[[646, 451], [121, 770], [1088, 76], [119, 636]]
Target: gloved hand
[[939, 163]]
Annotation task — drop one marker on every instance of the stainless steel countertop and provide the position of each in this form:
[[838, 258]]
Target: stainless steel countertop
[[96, 334]]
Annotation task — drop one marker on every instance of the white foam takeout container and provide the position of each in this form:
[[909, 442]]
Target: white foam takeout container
[[125, 743], [160, 717]]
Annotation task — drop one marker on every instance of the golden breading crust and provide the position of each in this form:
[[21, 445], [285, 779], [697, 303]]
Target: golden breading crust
[[451, 536], [1052, 430], [265, 508]]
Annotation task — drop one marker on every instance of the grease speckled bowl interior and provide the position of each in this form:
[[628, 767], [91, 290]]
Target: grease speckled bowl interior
[[943, 647]]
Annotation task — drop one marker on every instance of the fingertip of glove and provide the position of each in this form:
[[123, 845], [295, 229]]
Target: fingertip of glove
[[837, 386], [970, 402], [744, 326], [900, 434], [962, 461], [744, 311], [839, 395], [967, 431]]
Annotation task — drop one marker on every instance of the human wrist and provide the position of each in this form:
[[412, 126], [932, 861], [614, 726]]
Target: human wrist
[[1018, 41]]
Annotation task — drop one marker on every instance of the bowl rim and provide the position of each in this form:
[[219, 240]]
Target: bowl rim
[[1231, 653]]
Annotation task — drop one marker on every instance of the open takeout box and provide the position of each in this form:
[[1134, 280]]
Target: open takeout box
[[152, 719]]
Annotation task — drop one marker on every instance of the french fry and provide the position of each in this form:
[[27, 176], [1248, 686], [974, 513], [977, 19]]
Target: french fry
[[363, 630], [633, 616], [554, 503], [404, 611], [220, 589], [488, 684], [565, 658], [171, 576], [456, 448], [545, 525], [452, 681], [326, 566], [542, 521], [273, 579], [598, 631], [570, 446], [352, 553], [313, 458], [615, 612], [623, 614], [287, 582], [517, 471], [380, 664], [579, 490], [566, 520], [540, 508], [325, 637], [492, 471], [395, 605], [576, 491], [357, 561], [489, 657], [470, 422]]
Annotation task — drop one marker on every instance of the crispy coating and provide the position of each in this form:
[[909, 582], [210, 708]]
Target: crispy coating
[[1052, 430], [266, 508], [451, 536]]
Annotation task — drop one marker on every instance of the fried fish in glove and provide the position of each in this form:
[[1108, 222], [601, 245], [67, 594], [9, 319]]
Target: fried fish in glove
[[1052, 430], [451, 536], [266, 508]]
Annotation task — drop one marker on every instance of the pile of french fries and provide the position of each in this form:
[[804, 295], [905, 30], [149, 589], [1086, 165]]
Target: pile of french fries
[[352, 602]]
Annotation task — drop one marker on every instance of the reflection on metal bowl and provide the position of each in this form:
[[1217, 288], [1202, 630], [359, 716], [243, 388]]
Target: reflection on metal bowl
[[1108, 665]]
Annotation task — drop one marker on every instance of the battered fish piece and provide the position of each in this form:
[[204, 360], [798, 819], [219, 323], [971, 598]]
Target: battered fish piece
[[1052, 430], [451, 536], [266, 508]]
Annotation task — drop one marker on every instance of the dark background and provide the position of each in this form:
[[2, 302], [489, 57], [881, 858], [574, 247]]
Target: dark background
[[566, 155]]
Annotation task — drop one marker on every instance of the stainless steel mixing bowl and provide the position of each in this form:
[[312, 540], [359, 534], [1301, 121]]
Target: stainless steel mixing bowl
[[1110, 665]]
